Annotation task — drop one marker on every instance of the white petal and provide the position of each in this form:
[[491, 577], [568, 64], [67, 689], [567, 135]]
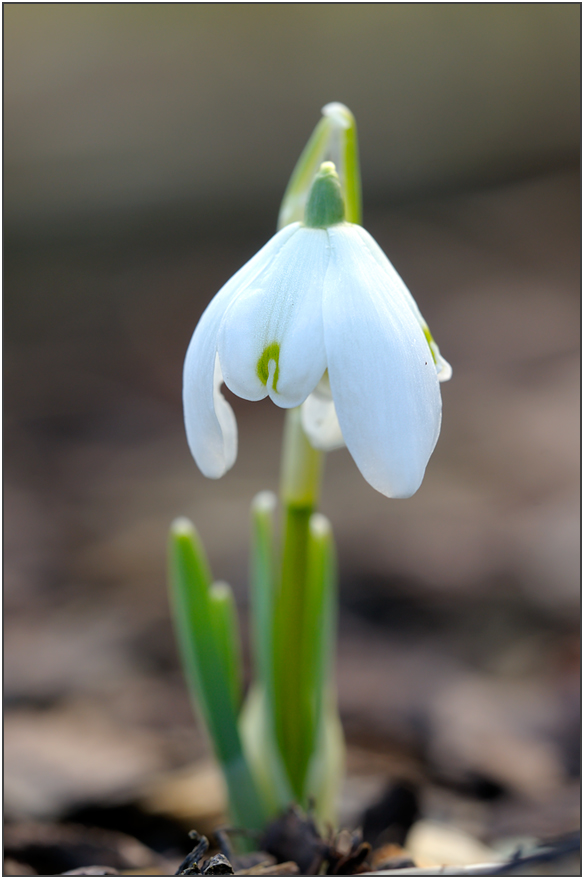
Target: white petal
[[225, 417], [443, 368], [209, 420], [319, 418], [382, 376], [271, 337]]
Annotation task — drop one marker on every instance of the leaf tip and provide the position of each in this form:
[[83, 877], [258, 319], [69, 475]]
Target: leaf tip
[[182, 527], [264, 502]]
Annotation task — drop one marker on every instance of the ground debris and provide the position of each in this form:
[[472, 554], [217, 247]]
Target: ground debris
[[294, 837], [288, 868], [16, 868], [391, 857], [52, 849], [190, 865], [347, 854], [218, 865], [559, 857], [391, 817], [245, 865], [92, 871]]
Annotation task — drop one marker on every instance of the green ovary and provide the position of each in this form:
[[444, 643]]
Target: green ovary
[[271, 352]]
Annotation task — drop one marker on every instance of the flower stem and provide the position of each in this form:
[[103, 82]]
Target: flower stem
[[295, 718], [301, 471]]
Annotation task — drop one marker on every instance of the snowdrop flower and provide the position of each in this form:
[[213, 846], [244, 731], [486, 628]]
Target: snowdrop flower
[[320, 317]]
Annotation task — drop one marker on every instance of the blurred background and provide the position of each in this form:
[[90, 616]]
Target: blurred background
[[146, 150]]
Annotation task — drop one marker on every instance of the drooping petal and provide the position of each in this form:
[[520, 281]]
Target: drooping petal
[[443, 368], [319, 418], [209, 420], [271, 337], [382, 376], [225, 417]]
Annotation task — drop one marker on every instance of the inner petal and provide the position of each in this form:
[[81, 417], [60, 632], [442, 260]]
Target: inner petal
[[273, 374], [268, 368], [320, 422]]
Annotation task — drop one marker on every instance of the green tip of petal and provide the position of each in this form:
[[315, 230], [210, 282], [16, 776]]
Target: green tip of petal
[[325, 206], [271, 354], [430, 341]]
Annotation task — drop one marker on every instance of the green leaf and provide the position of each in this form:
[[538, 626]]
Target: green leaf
[[205, 668], [256, 724], [320, 612], [292, 709], [327, 759], [224, 616], [263, 587], [350, 174]]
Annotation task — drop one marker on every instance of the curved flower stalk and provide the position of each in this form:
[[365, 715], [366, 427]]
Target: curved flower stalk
[[320, 317]]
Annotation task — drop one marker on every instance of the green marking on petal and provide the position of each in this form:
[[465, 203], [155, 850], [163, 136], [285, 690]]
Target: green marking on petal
[[429, 339], [271, 352]]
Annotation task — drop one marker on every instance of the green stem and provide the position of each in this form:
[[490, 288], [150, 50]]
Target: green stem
[[294, 711], [301, 471]]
